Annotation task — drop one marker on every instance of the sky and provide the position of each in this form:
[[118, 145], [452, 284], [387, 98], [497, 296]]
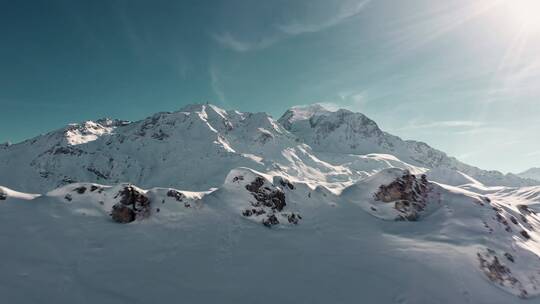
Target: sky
[[461, 75]]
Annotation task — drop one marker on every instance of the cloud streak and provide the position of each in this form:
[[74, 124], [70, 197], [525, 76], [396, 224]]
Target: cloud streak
[[229, 41], [216, 84], [297, 28], [445, 124], [284, 31]]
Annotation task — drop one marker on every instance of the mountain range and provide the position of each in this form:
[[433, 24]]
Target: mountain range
[[308, 144]]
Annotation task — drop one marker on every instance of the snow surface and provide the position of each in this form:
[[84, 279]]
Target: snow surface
[[476, 240]]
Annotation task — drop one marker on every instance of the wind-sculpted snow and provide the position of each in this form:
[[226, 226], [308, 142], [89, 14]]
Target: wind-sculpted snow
[[223, 206]]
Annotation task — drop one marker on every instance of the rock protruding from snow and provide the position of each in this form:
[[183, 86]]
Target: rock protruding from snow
[[499, 273], [265, 201], [134, 204], [408, 194]]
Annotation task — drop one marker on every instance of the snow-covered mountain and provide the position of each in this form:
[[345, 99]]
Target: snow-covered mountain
[[224, 206], [196, 147], [533, 173], [343, 131]]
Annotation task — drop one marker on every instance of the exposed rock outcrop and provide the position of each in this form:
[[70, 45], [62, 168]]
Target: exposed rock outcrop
[[133, 205], [270, 202], [408, 194], [499, 273]]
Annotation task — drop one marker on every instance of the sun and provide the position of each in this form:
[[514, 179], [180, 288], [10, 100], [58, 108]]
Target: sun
[[525, 14]]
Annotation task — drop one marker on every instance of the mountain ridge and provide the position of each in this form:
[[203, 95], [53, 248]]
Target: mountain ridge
[[199, 135]]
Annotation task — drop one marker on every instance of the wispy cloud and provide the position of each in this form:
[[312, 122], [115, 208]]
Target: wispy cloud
[[445, 124], [229, 41], [298, 27], [217, 86], [286, 30], [348, 100]]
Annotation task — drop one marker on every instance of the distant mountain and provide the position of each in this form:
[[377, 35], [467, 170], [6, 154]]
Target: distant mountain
[[343, 131], [197, 146], [533, 173]]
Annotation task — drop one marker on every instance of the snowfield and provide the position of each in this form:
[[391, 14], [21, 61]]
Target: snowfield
[[230, 207]]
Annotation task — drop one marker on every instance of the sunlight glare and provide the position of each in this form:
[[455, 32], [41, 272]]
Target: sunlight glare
[[525, 14]]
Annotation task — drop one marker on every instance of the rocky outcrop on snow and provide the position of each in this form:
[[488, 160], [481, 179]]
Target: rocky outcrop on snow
[[499, 273], [133, 205], [408, 193], [261, 200]]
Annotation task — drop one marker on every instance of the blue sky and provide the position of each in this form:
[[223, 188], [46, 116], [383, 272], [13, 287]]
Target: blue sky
[[461, 75]]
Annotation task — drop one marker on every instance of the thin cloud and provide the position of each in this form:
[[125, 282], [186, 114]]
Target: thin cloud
[[445, 124], [229, 41], [216, 84], [297, 28], [233, 42]]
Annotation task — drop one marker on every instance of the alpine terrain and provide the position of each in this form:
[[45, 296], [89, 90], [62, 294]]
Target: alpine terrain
[[206, 205]]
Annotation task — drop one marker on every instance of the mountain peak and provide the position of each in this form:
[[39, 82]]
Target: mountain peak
[[532, 173]]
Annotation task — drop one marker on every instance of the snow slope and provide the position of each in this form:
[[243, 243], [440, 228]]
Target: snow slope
[[205, 249]]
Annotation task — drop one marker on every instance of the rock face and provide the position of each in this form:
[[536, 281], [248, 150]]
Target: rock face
[[3, 195], [499, 273], [133, 205], [408, 194], [269, 202], [122, 214]]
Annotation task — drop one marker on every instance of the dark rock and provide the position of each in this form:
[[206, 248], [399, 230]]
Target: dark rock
[[3, 195], [265, 196], [525, 234], [68, 197], [93, 188], [285, 183], [134, 200], [408, 194], [270, 221], [509, 257], [255, 185], [237, 179], [123, 214], [270, 201], [498, 272], [293, 218], [177, 195], [80, 190]]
